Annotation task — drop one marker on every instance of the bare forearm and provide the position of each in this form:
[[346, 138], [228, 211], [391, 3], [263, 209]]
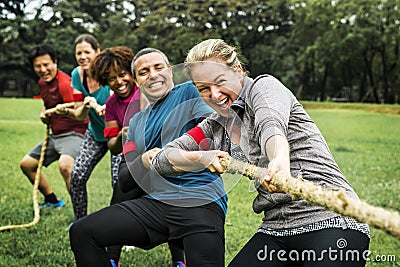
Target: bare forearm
[[175, 160], [80, 113], [115, 144], [277, 150]]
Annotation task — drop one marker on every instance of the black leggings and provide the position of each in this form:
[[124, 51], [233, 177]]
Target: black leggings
[[114, 226], [328, 248]]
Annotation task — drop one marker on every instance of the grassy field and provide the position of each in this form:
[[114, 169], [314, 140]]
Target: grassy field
[[365, 144]]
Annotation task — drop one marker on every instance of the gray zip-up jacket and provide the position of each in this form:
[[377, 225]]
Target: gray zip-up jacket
[[265, 108]]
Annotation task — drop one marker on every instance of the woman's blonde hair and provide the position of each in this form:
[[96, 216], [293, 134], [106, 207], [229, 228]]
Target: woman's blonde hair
[[212, 48]]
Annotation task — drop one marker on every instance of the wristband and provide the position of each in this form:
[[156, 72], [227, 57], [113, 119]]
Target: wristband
[[110, 132]]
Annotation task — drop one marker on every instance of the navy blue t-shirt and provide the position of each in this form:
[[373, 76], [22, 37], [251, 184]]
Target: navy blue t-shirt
[[164, 121]]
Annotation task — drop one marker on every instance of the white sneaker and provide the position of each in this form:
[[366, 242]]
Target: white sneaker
[[128, 248]]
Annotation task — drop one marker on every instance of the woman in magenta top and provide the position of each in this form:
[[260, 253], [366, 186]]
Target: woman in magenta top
[[112, 67]]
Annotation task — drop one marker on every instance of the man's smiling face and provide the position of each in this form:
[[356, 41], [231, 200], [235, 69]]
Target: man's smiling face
[[153, 76]]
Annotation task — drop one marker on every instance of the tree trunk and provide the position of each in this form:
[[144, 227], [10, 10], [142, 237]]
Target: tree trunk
[[370, 75], [323, 84]]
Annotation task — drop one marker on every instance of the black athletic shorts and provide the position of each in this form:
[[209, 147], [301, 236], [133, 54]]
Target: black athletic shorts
[[164, 222]]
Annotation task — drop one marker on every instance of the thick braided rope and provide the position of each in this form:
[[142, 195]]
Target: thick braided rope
[[35, 189], [337, 201], [49, 111], [65, 105]]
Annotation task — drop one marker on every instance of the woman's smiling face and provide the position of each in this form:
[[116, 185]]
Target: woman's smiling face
[[84, 54], [121, 82], [218, 84]]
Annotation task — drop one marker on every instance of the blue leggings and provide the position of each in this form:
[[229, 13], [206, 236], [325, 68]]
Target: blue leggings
[[328, 248]]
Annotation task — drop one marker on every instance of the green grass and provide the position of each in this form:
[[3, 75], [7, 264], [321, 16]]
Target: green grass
[[384, 108], [365, 144]]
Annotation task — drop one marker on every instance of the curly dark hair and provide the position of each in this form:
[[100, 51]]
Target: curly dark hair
[[111, 59]]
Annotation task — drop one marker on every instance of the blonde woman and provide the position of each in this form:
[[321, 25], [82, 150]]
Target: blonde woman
[[261, 122]]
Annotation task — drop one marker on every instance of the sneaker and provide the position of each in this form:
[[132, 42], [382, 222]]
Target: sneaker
[[178, 264], [57, 205], [128, 248], [114, 264]]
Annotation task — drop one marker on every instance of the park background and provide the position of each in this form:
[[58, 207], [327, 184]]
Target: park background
[[340, 50], [324, 51]]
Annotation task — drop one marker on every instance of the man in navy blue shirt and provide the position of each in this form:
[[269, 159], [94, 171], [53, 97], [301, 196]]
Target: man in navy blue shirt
[[187, 210]]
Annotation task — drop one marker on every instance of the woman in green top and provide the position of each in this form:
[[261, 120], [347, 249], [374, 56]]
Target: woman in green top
[[94, 145]]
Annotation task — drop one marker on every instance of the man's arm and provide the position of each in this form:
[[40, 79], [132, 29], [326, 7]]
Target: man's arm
[[131, 172], [174, 160]]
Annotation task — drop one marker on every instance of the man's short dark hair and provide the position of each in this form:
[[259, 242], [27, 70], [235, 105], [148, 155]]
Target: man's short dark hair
[[145, 51], [41, 50]]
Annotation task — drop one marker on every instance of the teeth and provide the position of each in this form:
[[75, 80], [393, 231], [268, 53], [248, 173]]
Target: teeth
[[155, 84], [222, 102], [122, 88]]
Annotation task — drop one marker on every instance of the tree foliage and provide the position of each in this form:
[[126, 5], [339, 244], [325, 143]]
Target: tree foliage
[[340, 49]]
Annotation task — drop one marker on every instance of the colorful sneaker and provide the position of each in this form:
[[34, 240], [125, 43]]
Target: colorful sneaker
[[178, 264], [114, 264], [57, 205]]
